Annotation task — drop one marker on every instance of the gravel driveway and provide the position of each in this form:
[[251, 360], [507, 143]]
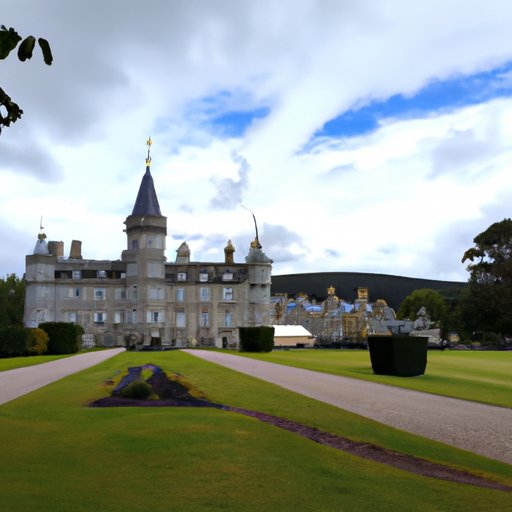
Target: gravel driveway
[[20, 381], [479, 428]]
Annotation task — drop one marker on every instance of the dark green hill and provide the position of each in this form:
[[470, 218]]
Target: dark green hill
[[393, 289]]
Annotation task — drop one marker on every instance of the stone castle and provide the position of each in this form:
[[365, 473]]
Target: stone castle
[[143, 300]]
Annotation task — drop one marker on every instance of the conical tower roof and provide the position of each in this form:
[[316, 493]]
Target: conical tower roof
[[147, 202]]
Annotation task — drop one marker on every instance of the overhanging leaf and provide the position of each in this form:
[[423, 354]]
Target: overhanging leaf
[[47, 52], [26, 48]]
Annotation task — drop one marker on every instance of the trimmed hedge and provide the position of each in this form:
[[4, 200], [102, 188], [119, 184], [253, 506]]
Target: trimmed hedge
[[256, 339], [16, 341], [13, 341], [64, 338], [404, 356]]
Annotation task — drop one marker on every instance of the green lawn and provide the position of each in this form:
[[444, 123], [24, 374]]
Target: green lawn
[[59, 455], [480, 376], [19, 362]]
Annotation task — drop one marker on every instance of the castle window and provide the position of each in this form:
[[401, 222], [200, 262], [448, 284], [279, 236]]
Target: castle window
[[182, 276], [204, 320], [99, 293], [227, 293], [120, 293], [180, 319], [227, 276], [135, 244], [156, 293], [154, 317], [180, 294], [99, 317], [74, 293], [77, 274], [118, 317], [71, 316], [228, 318], [204, 294], [203, 276]]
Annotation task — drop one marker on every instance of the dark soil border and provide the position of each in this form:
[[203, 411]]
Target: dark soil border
[[367, 451], [375, 453]]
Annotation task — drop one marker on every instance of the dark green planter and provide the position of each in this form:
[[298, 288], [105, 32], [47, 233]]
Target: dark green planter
[[404, 356], [256, 339]]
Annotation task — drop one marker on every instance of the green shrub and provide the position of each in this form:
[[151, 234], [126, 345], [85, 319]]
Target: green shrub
[[256, 339], [64, 338], [138, 390], [13, 341], [37, 342]]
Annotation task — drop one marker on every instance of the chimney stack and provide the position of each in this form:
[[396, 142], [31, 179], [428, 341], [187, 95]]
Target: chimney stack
[[56, 248], [228, 253], [75, 252]]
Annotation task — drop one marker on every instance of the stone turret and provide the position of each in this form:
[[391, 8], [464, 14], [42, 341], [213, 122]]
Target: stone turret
[[146, 229], [260, 281]]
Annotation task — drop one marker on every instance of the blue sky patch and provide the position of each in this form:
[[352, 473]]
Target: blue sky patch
[[227, 112], [235, 123], [439, 95]]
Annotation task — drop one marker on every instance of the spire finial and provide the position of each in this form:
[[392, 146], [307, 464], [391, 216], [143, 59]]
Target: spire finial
[[41, 235], [148, 144], [255, 244]]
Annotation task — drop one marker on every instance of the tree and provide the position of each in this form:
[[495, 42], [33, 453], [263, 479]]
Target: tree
[[9, 40], [12, 300], [488, 304], [430, 299]]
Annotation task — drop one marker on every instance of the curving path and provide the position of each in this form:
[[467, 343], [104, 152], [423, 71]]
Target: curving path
[[20, 381], [479, 428]]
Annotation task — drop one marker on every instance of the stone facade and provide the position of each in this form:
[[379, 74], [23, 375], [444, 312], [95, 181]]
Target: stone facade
[[142, 299]]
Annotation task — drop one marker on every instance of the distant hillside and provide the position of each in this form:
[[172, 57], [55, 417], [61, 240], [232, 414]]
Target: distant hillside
[[393, 289]]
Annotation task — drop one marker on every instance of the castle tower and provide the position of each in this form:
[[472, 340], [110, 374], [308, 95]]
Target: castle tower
[[260, 271], [39, 287], [146, 229]]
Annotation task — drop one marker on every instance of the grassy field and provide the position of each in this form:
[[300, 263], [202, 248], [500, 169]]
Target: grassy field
[[59, 455], [19, 362], [479, 376]]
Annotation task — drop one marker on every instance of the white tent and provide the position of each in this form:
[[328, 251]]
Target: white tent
[[292, 336]]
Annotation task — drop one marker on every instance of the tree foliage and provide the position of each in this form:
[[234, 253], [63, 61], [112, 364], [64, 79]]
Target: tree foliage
[[430, 299], [488, 304], [10, 111], [12, 300]]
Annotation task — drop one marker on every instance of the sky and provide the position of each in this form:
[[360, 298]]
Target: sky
[[364, 136]]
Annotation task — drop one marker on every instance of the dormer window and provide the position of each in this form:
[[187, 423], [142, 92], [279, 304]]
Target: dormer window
[[102, 273], [203, 276], [182, 276], [227, 276], [77, 274]]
